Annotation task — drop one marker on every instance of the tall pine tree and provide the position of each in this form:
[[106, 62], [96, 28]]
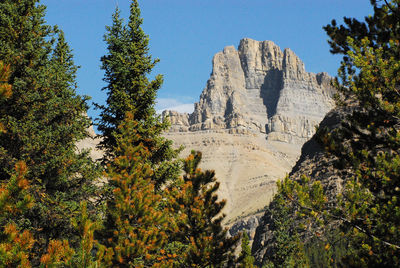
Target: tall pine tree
[[245, 259], [366, 144], [43, 119], [200, 217], [370, 205], [126, 67], [136, 224]]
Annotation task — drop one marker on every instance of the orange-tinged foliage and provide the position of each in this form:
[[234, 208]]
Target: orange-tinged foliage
[[17, 247], [58, 252], [14, 199], [5, 88], [198, 219], [135, 214]]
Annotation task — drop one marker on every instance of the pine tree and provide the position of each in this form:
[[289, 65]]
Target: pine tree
[[136, 224], [84, 253], [245, 259], [287, 249], [369, 74], [15, 244], [126, 67], [200, 219], [367, 143], [139, 160], [43, 119], [379, 28]]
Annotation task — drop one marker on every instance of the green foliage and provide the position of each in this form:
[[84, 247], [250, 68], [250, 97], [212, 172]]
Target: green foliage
[[135, 225], [369, 205], [287, 249], [366, 214], [42, 120], [245, 259], [327, 250], [84, 254], [46, 205], [5, 87], [379, 28], [14, 195], [126, 67], [15, 246], [199, 223], [140, 161]]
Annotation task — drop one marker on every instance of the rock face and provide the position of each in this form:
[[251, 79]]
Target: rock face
[[90, 143], [179, 121], [258, 108], [246, 165], [318, 165], [260, 89]]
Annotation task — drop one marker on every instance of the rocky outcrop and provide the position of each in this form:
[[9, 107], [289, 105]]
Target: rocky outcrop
[[259, 88], [90, 143], [315, 163], [258, 108], [179, 121]]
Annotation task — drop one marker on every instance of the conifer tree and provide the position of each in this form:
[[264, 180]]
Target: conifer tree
[[287, 249], [245, 259], [126, 67], [369, 73], [43, 119], [15, 244], [135, 227], [367, 143], [200, 219]]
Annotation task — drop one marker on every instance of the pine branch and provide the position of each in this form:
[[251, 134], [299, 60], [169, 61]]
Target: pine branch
[[351, 224]]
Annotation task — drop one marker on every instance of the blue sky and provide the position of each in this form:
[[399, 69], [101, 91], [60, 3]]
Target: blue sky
[[185, 34]]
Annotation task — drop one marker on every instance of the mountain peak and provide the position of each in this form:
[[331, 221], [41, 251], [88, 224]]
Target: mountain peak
[[260, 88]]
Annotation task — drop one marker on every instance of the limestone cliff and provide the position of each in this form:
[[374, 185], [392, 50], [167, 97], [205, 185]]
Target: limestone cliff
[[259, 88], [258, 108]]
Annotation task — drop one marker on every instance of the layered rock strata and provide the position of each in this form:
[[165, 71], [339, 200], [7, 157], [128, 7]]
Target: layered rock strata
[[258, 108], [260, 89]]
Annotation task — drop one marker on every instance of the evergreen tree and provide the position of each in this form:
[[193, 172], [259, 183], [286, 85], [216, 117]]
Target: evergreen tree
[[245, 259], [15, 246], [200, 219], [136, 224], [126, 67], [287, 249], [367, 143], [369, 73], [44, 119], [379, 28]]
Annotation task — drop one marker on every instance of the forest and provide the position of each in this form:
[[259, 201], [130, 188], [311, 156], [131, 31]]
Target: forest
[[141, 205]]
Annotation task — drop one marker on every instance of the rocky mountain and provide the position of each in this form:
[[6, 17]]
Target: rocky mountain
[[258, 108], [315, 164], [260, 89]]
